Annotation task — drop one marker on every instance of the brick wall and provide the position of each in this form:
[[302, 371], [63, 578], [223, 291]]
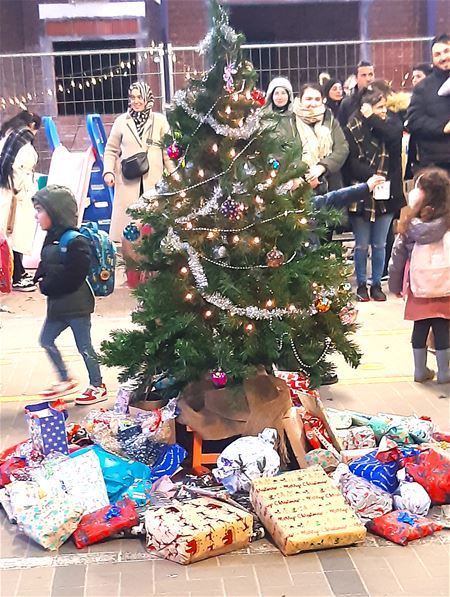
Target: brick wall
[[188, 21]]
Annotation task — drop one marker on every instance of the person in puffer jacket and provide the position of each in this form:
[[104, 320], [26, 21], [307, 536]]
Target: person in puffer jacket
[[426, 221], [70, 300]]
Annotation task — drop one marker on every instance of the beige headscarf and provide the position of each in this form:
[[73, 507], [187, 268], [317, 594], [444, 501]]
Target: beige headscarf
[[316, 138]]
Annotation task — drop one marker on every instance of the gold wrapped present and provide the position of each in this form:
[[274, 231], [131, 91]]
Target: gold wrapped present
[[196, 530], [303, 510]]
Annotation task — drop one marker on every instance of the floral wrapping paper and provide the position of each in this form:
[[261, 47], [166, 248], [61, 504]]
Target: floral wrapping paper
[[324, 458], [196, 530], [304, 510], [400, 526], [81, 477], [367, 500], [356, 438], [49, 520], [105, 522]]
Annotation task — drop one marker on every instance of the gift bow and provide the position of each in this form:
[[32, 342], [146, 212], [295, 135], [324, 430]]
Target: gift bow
[[406, 518], [112, 512]]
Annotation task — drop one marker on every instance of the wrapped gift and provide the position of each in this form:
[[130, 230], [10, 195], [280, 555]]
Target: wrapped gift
[[295, 432], [339, 419], [400, 526], [46, 424], [81, 477], [431, 469], [139, 492], [298, 384], [324, 458], [304, 510], [105, 522], [10, 467], [169, 461], [5, 501], [381, 474], [50, 520], [248, 458], [348, 456], [356, 438], [410, 495], [118, 473], [367, 500], [196, 530]]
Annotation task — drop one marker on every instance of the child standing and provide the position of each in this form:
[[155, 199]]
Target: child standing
[[70, 300], [427, 221]]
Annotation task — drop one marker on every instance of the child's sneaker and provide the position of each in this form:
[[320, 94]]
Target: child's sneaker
[[60, 388], [93, 395]]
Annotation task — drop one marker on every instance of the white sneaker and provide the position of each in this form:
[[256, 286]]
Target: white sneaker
[[60, 388], [25, 284], [92, 395]]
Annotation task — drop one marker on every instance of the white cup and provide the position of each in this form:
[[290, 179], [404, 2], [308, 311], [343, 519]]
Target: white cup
[[383, 191]]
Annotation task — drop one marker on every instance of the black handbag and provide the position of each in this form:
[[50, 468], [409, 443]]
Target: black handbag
[[137, 165]]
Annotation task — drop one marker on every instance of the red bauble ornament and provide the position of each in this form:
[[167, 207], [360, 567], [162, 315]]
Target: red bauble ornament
[[146, 230], [219, 378], [258, 97], [174, 151], [274, 258]]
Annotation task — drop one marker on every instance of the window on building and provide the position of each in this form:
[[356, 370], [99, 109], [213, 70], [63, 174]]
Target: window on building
[[94, 76]]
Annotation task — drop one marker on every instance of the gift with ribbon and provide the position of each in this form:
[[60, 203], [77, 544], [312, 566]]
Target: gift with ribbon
[[106, 522], [400, 526], [431, 469]]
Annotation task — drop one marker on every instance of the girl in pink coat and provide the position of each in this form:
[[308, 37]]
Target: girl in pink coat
[[427, 291]]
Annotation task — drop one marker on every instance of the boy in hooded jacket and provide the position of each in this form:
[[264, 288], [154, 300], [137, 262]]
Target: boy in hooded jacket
[[70, 300]]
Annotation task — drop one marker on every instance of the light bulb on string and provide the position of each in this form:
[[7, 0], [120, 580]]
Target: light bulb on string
[[256, 240], [259, 200], [303, 221], [72, 83], [189, 226], [208, 314], [210, 235], [188, 296], [227, 110], [215, 148], [236, 238], [235, 97], [270, 303], [49, 92], [249, 327], [292, 308], [178, 204], [183, 194], [88, 84], [273, 174], [29, 96], [184, 270], [80, 86], [122, 64], [201, 173], [232, 152], [176, 176]]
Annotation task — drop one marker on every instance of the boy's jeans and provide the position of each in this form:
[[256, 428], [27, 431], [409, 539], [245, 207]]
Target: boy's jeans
[[375, 234], [81, 329]]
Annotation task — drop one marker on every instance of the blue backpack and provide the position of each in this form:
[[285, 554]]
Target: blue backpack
[[103, 256]]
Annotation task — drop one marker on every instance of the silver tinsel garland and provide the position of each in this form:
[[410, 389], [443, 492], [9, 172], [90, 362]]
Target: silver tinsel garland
[[250, 127], [210, 206]]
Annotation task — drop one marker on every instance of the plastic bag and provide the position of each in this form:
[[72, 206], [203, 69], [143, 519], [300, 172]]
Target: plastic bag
[[410, 495], [246, 459], [400, 526], [118, 472]]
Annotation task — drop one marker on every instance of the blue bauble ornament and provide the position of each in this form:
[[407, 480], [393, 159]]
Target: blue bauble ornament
[[274, 163], [131, 232]]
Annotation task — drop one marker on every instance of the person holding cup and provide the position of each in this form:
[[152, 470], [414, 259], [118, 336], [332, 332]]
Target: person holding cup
[[375, 141]]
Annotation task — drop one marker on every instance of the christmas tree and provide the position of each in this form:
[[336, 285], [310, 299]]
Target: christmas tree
[[239, 278]]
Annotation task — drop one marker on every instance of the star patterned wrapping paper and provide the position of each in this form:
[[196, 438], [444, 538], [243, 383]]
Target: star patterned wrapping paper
[[196, 530], [47, 428], [303, 510]]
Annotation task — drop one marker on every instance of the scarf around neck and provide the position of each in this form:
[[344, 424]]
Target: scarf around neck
[[141, 118], [317, 141], [14, 142]]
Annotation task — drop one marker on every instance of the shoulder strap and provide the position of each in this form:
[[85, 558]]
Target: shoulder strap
[[66, 238], [150, 132]]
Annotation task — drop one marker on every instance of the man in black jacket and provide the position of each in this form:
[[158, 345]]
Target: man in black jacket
[[428, 117], [365, 74]]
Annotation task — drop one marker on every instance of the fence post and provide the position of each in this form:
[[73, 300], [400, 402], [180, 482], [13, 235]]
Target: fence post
[[170, 59], [162, 76]]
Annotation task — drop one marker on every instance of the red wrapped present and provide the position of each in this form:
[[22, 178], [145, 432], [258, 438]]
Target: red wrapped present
[[432, 470], [298, 384], [400, 526], [441, 436], [315, 430], [105, 522], [9, 467]]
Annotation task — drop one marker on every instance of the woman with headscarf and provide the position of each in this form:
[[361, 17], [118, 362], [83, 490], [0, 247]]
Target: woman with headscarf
[[139, 130], [18, 159], [333, 94], [324, 146]]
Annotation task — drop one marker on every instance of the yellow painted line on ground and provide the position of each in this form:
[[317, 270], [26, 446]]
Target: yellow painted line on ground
[[370, 380]]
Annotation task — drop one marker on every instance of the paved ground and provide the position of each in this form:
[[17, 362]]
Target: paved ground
[[122, 567]]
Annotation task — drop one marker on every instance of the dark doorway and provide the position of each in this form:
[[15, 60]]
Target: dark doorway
[[96, 81]]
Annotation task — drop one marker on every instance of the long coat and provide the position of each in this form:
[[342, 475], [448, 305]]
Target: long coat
[[22, 236], [123, 142]]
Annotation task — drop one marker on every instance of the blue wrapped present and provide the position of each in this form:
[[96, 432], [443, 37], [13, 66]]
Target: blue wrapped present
[[381, 474], [47, 427]]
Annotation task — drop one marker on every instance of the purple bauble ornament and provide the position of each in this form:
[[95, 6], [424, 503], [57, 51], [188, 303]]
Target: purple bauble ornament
[[219, 378], [230, 209]]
